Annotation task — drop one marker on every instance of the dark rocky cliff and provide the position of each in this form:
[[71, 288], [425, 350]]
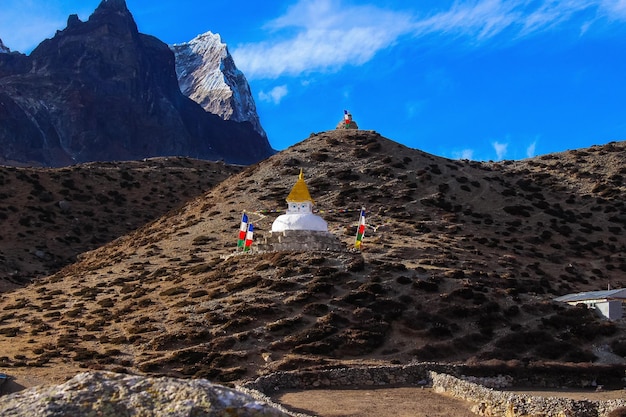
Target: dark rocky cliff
[[100, 91]]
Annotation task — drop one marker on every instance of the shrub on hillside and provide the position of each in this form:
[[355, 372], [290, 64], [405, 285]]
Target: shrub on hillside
[[433, 352], [619, 346], [524, 340], [579, 322]]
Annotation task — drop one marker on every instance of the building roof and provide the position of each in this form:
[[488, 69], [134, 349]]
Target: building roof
[[299, 193], [619, 293]]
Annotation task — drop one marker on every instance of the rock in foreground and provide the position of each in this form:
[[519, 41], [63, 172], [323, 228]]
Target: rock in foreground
[[111, 394]]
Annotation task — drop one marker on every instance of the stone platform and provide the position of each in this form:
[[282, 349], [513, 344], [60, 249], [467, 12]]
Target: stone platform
[[299, 240]]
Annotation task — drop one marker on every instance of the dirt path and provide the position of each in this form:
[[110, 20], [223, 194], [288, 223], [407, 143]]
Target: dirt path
[[383, 402]]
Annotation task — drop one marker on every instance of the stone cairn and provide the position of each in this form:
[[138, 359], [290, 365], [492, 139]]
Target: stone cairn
[[347, 122]]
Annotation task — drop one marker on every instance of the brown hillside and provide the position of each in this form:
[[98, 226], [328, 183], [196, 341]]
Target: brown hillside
[[461, 262], [48, 216]]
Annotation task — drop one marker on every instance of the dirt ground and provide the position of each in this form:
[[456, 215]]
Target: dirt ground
[[382, 402], [403, 402]]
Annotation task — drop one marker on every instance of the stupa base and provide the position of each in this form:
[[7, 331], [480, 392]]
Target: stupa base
[[299, 240]]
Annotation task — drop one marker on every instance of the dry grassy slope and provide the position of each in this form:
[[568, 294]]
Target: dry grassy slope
[[461, 262], [48, 216]]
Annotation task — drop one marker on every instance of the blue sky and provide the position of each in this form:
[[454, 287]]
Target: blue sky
[[482, 79]]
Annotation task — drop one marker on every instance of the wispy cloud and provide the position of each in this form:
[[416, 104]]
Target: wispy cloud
[[275, 95], [464, 154], [614, 9], [479, 20], [551, 14], [482, 20], [530, 150], [325, 35], [501, 149]]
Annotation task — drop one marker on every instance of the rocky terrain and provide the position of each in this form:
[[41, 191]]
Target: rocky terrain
[[100, 91], [207, 74], [49, 216], [461, 263]]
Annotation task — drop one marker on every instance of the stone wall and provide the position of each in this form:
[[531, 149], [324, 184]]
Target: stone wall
[[488, 402], [413, 374], [299, 240]]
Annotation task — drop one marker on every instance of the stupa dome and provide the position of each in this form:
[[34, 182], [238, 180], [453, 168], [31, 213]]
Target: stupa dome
[[299, 221]]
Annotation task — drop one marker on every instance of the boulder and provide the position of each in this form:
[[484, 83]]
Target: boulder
[[116, 395]]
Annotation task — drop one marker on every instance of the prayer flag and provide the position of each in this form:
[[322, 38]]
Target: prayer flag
[[360, 231], [242, 230], [249, 238]]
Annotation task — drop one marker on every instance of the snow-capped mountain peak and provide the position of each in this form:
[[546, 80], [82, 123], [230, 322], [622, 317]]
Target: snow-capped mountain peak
[[208, 75]]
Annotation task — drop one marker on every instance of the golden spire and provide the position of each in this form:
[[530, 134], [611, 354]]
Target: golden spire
[[300, 193]]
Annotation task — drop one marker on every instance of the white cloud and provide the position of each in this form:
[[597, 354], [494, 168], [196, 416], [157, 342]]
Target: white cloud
[[486, 19], [552, 14], [275, 95], [481, 19], [501, 149], [614, 9], [464, 154], [530, 150], [325, 35]]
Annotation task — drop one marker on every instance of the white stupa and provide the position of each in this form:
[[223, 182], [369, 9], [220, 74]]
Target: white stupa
[[299, 229], [299, 214]]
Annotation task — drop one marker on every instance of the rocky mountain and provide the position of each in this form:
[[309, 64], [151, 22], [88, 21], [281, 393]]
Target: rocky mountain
[[208, 75], [50, 216], [100, 91], [461, 262]]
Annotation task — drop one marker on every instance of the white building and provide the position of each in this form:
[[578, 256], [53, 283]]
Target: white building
[[609, 303]]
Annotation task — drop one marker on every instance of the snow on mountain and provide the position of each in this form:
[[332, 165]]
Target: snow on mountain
[[3, 49], [208, 75]]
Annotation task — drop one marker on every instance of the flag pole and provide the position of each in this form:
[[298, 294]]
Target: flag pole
[[249, 238], [243, 229], [360, 230]]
